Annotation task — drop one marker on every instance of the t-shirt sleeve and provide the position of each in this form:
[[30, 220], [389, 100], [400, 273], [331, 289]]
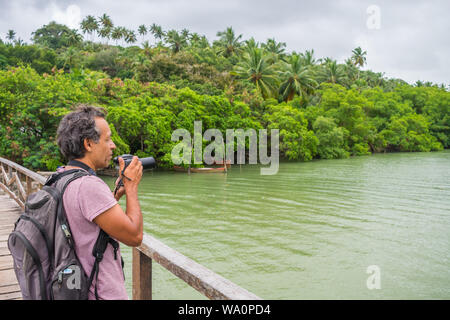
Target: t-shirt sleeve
[[94, 197]]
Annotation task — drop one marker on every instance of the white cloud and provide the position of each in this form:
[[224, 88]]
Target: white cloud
[[71, 17]]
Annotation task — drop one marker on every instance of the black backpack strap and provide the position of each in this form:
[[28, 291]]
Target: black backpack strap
[[61, 214], [98, 251], [58, 175]]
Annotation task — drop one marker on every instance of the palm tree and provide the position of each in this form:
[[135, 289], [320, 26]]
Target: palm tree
[[274, 47], [157, 31], [106, 21], [130, 36], [117, 34], [107, 27], [351, 70], [89, 25], [332, 72], [142, 29], [199, 42], [359, 57], [308, 57], [251, 44], [11, 35], [185, 33], [256, 68], [146, 46], [19, 42], [74, 38], [298, 79], [175, 40], [229, 43], [105, 33], [70, 58]]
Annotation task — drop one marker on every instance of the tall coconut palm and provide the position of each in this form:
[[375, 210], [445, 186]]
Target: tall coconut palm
[[332, 72], [308, 58], [351, 71], [273, 46], [106, 21], [157, 31], [89, 25], [11, 35], [105, 33], [130, 36], [175, 40], [298, 79], [74, 38], [256, 68], [229, 43], [274, 49], [359, 57], [142, 29], [194, 39], [185, 33], [116, 34], [250, 44]]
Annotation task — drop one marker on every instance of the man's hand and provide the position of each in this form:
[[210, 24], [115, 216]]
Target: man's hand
[[126, 227], [132, 175], [121, 191]]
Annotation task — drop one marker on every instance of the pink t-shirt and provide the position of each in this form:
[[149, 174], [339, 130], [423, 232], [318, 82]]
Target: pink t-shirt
[[84, 199]]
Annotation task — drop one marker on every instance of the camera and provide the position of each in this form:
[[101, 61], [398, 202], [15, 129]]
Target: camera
[[147, 163]]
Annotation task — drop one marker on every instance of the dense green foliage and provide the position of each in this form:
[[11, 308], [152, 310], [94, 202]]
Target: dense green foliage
[[323, 109]]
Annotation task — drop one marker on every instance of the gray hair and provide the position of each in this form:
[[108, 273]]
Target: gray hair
[[77, 126]]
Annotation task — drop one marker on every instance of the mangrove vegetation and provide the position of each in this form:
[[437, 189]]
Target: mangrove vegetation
[[152, 81]]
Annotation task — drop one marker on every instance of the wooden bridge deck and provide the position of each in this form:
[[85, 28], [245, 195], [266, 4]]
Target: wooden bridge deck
[[9, 213]]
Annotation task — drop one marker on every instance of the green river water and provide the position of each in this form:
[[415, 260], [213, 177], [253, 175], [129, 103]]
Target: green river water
[[309, 232]]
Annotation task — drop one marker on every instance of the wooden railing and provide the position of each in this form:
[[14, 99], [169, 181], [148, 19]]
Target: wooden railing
[[19, 182]]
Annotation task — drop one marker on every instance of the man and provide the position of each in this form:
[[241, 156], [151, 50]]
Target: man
[[84, 139]]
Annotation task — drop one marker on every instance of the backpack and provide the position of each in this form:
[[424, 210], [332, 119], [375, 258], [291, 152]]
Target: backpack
[[43, 249]]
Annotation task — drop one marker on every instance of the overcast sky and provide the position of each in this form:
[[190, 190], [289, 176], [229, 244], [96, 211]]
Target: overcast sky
[[404, 39]]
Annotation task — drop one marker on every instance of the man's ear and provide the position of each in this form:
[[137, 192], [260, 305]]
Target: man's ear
[[87, 144]]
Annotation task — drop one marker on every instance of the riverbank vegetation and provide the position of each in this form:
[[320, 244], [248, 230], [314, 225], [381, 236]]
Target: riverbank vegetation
[[153, 81]]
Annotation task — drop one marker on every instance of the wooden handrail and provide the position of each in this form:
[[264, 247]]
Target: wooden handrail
[[210, 284], [13, 177], [35, 176]]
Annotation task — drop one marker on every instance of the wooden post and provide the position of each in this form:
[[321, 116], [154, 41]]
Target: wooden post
[[29, 186], [142, 276]]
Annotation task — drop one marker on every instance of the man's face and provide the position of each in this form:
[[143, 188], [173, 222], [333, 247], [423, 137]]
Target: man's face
[[102, 151]]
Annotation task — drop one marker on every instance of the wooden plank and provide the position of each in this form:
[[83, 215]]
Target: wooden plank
[[8, 277], [9, 289], [6, 265], [5, 232], [11, 194], [10, 296], [4, 252], [4, 259]]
